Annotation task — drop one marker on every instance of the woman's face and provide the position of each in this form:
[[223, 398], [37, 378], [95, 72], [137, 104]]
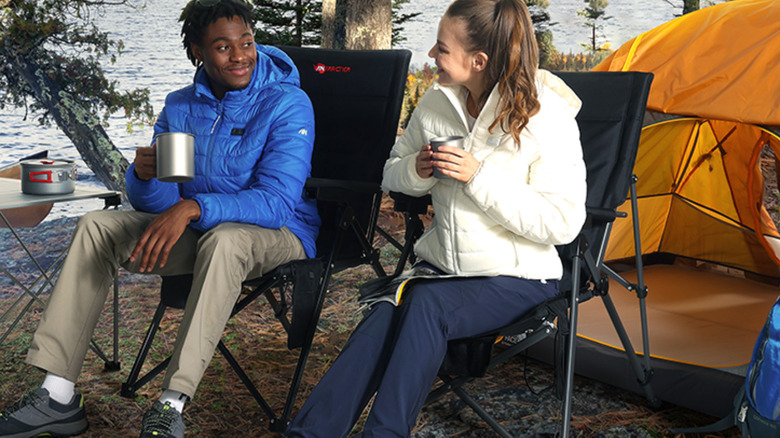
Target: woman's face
[[228, 55], [455, 65]]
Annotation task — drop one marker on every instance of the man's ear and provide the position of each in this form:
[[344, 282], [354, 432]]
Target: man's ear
[[197, 52], [480, 61]]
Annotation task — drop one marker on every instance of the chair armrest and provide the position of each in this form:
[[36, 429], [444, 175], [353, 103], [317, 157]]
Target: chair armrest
[[325, 189], [601, 215], [410, 204]]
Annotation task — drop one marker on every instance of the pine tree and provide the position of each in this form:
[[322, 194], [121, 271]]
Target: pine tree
[[594, 14], [399, 19], [288, 22], [299, 22], [541, 21]]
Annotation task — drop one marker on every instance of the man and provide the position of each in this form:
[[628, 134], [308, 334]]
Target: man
[[241, 216]]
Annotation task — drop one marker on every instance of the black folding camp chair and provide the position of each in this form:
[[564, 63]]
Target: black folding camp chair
[[357, 98], [610, 122]]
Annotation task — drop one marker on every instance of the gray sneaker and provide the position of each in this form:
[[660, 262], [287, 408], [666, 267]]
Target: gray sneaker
[[37, 414], [162, 421]]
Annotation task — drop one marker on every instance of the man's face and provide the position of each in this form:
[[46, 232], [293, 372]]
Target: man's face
[[228, 54]]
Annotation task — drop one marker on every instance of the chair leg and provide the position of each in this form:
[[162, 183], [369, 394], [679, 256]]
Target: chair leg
[[499, 429], [114, 364], [245, 379], [643, 375], [372, 255], [414, 229], [571, 343], [279, 423], [132, 384]]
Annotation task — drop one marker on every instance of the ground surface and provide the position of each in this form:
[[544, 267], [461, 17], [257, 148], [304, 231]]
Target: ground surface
[[515, 393]]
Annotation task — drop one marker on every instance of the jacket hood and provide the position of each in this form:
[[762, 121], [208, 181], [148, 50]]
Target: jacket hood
[[273, 67], [545, 79]]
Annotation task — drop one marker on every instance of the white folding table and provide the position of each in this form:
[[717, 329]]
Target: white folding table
[[11, 196]]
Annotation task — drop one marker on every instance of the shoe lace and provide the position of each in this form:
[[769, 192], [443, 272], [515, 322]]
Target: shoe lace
[[28, 399], [162, 420]]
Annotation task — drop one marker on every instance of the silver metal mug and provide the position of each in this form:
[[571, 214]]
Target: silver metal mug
[[453, 140], [175, 157]]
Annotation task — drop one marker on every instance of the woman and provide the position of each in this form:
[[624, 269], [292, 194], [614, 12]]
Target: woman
[[515, 189]]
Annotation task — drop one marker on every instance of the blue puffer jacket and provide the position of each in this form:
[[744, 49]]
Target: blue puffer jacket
[[252, 152]]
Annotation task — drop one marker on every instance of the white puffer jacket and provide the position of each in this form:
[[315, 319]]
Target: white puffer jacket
[[520, 203]]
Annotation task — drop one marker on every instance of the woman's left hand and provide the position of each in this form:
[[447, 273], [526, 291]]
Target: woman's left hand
[[455, 163]]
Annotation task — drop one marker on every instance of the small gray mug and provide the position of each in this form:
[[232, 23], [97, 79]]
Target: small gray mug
[[175, 157], [453, 140]]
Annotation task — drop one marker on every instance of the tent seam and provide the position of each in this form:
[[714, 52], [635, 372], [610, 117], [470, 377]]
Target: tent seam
[[632, 52]]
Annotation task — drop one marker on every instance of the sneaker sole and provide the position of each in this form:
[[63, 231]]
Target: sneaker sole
[[55, 430]]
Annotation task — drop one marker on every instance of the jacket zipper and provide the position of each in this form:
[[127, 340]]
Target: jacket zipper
[[455, 103], [210, 149], [219, 116], [453, 196]]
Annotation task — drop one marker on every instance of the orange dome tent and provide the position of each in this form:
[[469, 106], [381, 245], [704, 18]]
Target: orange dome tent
[[712, 108], [710, 248]]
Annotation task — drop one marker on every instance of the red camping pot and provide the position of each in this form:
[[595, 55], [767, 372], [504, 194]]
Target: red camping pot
[[48, 177]]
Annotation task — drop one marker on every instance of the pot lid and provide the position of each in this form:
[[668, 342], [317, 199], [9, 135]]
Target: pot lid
[[47, 162]]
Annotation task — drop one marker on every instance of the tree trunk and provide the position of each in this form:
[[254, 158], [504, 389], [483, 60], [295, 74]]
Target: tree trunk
[[298, 23], [333, 21], [81, 126], [369, 24], [357, 24], [690, 6]]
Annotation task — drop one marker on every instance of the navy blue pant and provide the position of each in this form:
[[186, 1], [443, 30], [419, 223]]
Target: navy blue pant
[[396, 352]]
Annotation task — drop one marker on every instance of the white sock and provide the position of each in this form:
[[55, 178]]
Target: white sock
[[175, 398], [60, 389]]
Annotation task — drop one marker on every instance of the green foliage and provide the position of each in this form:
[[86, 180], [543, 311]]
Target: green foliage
[[288, 22], [398, 20], [299, 22], [539, 16], [690, 6], [573, 61], [417, 83], [541, 21], [544, 41], [61, 37], [595, 14]]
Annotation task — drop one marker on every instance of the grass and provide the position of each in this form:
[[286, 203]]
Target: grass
[[222, 406]]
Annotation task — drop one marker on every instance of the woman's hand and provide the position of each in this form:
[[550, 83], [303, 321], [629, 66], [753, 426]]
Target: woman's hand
[[455, 163], [146, 162], [423, 163], [162, 233]]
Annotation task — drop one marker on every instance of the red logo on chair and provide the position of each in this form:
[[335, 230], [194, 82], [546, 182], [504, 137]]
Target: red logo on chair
[[322, 68]]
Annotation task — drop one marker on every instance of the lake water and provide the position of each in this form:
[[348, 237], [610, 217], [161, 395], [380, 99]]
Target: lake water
[[153, 58]]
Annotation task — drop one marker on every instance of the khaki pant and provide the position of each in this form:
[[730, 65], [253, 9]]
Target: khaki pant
[[220, 260]]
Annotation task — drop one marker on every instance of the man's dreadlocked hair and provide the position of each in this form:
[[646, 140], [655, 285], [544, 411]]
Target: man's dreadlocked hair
[[196, 18]]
